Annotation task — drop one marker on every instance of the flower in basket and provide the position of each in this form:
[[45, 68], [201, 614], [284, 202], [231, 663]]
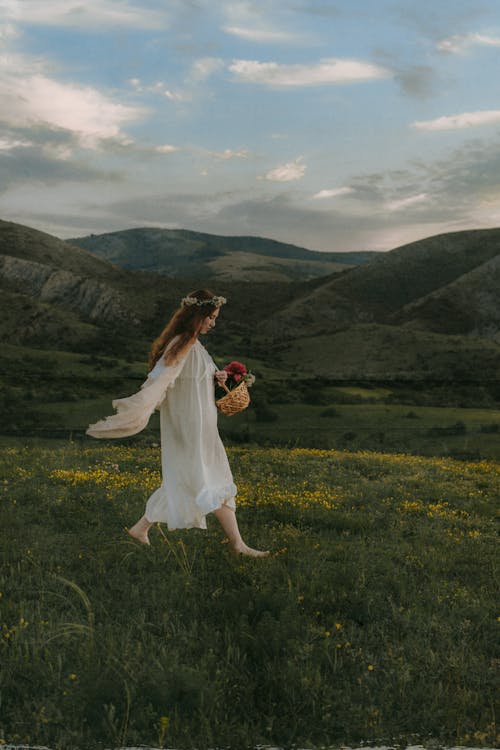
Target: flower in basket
[[236, 372]]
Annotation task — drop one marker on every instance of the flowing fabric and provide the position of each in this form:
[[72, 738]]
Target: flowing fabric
[[134, 412], [196, 475]]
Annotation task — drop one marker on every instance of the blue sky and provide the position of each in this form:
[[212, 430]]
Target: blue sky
[[333, 124]]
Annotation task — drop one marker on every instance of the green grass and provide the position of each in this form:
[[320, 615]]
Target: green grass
[[48, 393], [394, 428], [373, 619]]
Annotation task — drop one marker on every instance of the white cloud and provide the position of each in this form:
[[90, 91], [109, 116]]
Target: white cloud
[[199, 71], [293, 170], [411, 200], [460, 43], [30, 98], [229, 153], [159, 87], [76, 13], [8, 143], [166, 149], [327, 71], [333, 193], [457, 122], [204, 67], [259, 34]]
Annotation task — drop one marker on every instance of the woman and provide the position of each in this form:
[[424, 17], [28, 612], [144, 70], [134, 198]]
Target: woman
[[197, 479]]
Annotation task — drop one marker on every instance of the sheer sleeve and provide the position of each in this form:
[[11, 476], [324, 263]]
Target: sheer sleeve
[[134, 412]]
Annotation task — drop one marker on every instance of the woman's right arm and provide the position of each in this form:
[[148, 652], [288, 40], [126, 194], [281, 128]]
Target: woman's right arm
[[133, 412]]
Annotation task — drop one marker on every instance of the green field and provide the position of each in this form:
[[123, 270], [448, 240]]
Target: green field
[[373, 619], [51, 394]]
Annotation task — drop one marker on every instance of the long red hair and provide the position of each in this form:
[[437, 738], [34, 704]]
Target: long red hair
[[184, 324]]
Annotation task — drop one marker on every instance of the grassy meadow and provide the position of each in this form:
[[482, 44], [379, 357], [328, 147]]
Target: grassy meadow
[[372, 620], [52, 394]]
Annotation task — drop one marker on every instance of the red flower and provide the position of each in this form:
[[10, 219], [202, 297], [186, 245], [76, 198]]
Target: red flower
[[235, 370]]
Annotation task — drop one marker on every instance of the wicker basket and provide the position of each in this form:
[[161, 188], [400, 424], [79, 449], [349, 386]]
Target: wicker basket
[[235, 400]]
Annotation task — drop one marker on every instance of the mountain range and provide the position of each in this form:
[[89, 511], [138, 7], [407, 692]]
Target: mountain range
[[428, 310], [180, 253]]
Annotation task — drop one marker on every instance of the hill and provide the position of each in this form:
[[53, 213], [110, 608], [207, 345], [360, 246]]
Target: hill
[[182, 253], [471, 305], [56, 295], [48, 271], [425, 312], [446, 283]]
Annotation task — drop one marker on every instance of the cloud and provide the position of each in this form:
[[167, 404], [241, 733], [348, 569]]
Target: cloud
[[166, 149], [30, 99], [260, 35], [258, 22], [20, 144], [199, 71], [204, 67], [327, 71], [25, 164], [333, 193], [411, 200], [229, 153], [460, 43], [159, 88], [462, 192], [293, 170], [76, 13], [9, 143], [457, 122]]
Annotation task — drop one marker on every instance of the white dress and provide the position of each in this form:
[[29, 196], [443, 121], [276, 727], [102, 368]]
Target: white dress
[[197, 478]]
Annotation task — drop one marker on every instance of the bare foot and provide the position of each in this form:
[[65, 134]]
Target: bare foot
[[242, 549], [139, 532], [142, 538]]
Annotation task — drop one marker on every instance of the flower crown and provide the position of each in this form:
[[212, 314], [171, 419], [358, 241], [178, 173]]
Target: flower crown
[[213, 302]]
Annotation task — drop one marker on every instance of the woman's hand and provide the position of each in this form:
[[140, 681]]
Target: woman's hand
[[220, 376]]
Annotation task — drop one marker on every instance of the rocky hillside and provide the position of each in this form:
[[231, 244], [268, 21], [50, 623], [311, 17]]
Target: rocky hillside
[[54, 293], [52, 270], [93, 299], [182, 253]]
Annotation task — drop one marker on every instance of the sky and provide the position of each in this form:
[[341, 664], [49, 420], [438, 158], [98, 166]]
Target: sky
[[336, 125]]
